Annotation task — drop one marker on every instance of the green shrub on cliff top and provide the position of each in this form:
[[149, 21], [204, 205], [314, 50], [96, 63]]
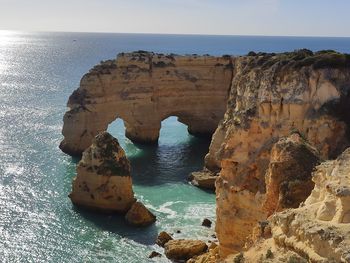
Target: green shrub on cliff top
[[304, 58]]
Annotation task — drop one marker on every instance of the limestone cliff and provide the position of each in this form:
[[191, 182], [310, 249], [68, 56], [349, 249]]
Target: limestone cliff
[[271, 96], [317, 231], [288, 176], [103, 180], [144, 88]]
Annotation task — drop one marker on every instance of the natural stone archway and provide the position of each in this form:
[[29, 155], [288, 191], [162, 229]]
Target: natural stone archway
[[143, 89]]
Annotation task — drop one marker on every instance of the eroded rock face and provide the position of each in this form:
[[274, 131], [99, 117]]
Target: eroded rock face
[[288, 177], [271, 97], [182, 249], [103, 180], [320, 229], [144, 88]]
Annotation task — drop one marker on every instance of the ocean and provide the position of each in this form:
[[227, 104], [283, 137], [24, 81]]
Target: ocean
[[38, 72]]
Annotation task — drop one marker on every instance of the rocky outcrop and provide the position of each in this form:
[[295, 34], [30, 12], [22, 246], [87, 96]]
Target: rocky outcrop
[[103, 180], [273, 95], [288, 177], [139, 215], [204, 179], [182, 249], [319, 230], [212, 256], [144, 88], [163, 238]]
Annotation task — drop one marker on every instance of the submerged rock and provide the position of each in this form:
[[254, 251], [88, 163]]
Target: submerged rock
[[103, 180], [206, 222], [163, 238], [204, 179], [184, 249], [139, 215]]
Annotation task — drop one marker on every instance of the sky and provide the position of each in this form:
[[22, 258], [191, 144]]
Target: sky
[[217, 17]]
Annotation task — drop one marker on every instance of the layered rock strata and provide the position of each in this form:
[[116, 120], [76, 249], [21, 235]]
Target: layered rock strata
[[144, 88], [272, 96], [103, 180], [317, 231], [288, 176]]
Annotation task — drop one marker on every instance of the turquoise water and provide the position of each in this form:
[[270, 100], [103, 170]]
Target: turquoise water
[[38, 71]]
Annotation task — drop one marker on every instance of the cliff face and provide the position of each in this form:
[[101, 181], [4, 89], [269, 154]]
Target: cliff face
[[143, 89], [273, 96], [288, 176], [320, 228], [103, 180]]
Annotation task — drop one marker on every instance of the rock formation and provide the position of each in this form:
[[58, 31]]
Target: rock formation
[[204, 179], [163, 238], [139, 215], [319, 230], [288, 176], [272, 96], [182, 249], [284, 113], [143, 89], [103, 179]]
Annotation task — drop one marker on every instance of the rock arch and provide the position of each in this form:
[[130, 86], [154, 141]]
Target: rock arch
[[144, 88]]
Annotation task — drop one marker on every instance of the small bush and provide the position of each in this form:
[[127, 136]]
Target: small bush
[[269, 254], [296, 259], [239, 258]]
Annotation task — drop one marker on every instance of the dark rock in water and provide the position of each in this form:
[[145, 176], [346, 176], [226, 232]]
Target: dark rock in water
[[178, 231], [139, 215], [206, 222], [154, 254], [163, 238], [204, 179], [184, 249]]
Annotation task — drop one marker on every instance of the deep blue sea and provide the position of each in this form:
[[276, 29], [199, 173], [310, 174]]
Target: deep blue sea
[[38, 71]]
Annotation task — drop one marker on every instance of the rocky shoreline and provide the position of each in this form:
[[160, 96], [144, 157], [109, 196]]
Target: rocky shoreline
[[277, 198]]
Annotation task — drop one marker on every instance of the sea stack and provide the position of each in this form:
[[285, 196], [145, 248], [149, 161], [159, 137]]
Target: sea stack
[[103, 180]]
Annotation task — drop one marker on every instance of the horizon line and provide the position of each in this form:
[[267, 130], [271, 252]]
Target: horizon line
[[174, 34]]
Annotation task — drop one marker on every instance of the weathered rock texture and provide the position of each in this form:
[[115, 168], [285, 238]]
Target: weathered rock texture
[[103, 179], [271, 97], [319, 230], [288, 177], [143, 89], [182, 249]]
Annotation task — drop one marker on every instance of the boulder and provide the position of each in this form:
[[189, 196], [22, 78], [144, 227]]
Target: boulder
[[139, 215], [184, 249], [103, 180], [204, 179], [206, 222], [163, 238]]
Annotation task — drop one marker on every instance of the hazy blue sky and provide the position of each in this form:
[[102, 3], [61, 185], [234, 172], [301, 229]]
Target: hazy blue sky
[[237, 17]]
